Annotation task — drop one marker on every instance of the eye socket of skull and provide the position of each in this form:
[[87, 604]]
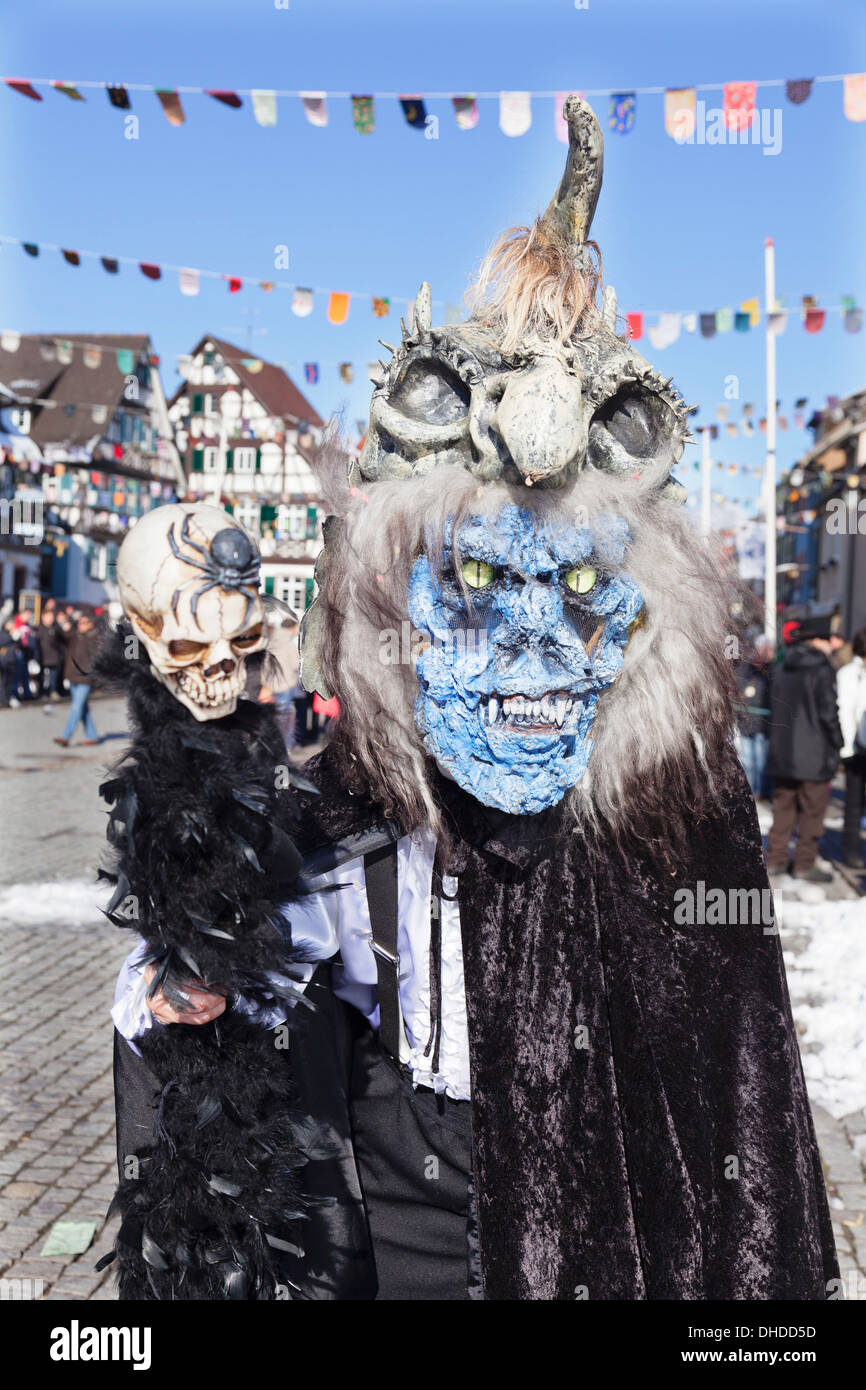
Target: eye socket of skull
[[182, 649], [247, 641], [634, 426], [430, 391]]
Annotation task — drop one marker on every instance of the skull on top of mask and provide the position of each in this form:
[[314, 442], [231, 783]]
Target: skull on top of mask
[[188, 577]]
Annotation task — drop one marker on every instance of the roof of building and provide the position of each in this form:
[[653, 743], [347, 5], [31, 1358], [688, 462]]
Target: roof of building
[[840, 422], [33, 373], [270, 385]]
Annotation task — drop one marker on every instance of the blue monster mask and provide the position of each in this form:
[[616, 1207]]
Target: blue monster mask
[[528, 623]]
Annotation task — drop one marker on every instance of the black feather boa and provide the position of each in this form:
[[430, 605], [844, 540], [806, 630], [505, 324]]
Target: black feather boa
[[201, 823]]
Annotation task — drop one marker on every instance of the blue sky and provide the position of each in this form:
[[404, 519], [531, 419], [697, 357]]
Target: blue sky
[[680, 227]]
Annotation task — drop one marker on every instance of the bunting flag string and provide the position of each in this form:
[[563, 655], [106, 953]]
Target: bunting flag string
[[666, 331], [739, 102]]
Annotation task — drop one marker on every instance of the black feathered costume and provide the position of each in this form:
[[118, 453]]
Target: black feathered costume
[[638, 1126]]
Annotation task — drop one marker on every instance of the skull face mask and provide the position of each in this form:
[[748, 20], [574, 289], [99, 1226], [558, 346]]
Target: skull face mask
[[188, 577], [527, 625]]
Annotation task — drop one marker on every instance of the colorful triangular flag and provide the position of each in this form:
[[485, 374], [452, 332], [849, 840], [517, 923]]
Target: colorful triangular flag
[[68, 90], [315, 106], [798, 90], [855, 96], [635, 326], [71, 257], [169, 100], [680, 112], [381, 307], [153, 272], [311, 375], [188, 280], [363, 115], [264, 107], [338, 307], [347, 372], [119, 97], [226, 97], [109, 264], [466, 112], [25, 88], [414, 111], [623, 109], [515, 112], [302, 303], [738, 104]]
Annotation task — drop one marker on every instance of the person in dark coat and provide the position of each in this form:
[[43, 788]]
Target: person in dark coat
[[80, 655], [51, 646], [805, 739]]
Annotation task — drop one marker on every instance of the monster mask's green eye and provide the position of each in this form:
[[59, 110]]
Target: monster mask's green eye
[[582, 580], [477, 573]]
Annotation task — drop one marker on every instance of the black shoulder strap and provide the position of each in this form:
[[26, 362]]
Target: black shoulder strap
[[380, 873]]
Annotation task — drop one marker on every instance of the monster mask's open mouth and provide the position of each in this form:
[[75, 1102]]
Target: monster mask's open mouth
[[526, 714]]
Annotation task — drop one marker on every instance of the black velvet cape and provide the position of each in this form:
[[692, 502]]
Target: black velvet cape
[[640, 1118]]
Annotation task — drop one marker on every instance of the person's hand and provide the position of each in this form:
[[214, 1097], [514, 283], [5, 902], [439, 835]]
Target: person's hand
[[199, 1005]]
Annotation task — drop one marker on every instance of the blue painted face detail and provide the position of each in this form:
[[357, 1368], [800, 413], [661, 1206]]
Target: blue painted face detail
[[511, 680]]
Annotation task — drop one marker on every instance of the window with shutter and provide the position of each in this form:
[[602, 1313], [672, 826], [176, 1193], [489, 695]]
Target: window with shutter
[[198, 460], [197, 403]]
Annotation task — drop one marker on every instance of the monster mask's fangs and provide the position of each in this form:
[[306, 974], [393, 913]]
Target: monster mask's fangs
[[523, 713]]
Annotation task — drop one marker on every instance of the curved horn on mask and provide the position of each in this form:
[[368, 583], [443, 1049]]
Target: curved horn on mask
[[570, 212]]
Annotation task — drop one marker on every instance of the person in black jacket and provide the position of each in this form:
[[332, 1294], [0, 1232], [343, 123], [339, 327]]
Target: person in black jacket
[[805, 739]]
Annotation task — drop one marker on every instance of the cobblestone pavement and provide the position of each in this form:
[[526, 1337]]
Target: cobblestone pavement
[[56, 984]]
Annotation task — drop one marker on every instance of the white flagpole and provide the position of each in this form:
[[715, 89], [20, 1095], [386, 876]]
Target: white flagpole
[[706, 479], [770, 459]]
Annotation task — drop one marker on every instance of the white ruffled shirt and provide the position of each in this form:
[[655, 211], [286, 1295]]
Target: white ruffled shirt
[[331, 922]]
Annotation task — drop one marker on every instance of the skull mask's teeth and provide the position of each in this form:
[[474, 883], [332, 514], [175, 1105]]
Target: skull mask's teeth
[[524, 711]]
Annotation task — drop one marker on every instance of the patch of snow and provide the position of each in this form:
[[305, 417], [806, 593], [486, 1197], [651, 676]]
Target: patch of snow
[[827, 980], [72, 902]]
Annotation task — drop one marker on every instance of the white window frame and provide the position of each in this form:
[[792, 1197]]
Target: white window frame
[[244, 460]]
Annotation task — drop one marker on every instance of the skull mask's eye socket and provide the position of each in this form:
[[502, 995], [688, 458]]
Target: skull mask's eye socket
[[477, 574], [248, 639], [182, 648], [431, 392], [582, 579], [635, 426]]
